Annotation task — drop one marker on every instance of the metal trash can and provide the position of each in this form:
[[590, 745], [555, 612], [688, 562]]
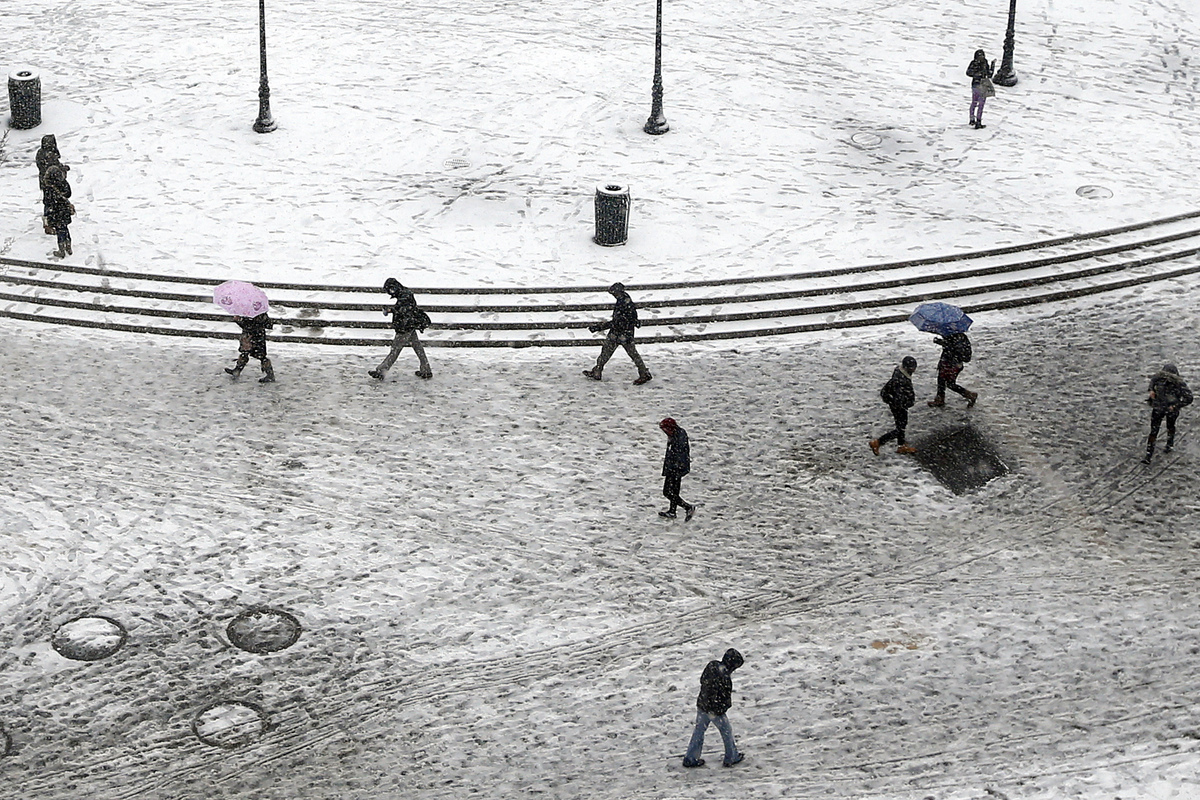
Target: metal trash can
[[25, 98], [612, 214]]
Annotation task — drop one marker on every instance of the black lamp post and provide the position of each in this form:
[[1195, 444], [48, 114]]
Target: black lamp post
[[657, 124], [264, 123], [1005, 75]]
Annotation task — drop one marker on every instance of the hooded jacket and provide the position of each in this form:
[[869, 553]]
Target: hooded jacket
[[406, 317], [716, 684], [1168, 391], [47, 156], [624, 318]]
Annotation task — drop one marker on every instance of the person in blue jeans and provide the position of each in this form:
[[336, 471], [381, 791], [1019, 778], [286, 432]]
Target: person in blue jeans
[[715, 698]]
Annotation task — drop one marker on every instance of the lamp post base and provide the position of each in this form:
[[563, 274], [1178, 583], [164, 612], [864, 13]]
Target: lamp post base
[[1005, 77], [264, 125], [656, 126]]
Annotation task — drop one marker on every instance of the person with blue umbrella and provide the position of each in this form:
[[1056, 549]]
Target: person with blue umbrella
[[951, 324]]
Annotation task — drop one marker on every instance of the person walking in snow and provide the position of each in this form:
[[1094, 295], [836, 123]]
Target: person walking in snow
[[253, 344], [713, 702], [1167, 394], [407, 319], [676, 463], [956, 351], [980, 72], [47, 156], [620, 332], [57, 201], [899, 395]]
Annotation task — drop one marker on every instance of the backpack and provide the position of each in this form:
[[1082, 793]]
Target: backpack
[[960, 347]]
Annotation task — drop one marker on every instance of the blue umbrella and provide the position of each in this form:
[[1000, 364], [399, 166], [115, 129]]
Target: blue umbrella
[[940, 318]]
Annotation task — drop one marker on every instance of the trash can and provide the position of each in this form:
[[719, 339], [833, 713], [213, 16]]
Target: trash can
[[612, 214], [25, 98]]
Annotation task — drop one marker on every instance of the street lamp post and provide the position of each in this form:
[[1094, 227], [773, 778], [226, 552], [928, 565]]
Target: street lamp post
[[657, 124], [264, 123], [1005, 75]]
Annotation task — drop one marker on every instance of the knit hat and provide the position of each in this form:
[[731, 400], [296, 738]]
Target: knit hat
[[668, 424], [617, 288]]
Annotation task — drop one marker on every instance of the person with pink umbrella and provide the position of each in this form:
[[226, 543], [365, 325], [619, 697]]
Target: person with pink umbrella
[[248, 305]]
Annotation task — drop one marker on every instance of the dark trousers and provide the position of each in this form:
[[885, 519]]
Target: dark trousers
[[901, 417], [671, 484], [1156, 418], [948, 379]]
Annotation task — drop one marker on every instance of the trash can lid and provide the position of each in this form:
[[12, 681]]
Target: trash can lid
[[23, 73], [612, 188]]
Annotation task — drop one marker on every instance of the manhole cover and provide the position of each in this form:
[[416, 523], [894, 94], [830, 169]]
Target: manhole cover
[[89, 638], [230, 724], [456, 162], [866, 139], [263, 630], [1093, 192], [961, 458]]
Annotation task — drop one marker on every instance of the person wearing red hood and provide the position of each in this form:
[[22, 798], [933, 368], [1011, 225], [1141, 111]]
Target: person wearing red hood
[[714, 700], [676, 464]]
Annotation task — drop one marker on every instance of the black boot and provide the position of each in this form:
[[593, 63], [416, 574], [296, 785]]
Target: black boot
[[1149, 450], [269, 373]]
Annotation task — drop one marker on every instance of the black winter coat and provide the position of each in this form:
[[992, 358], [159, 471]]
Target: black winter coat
[[978, 69], [1169, 391], [624, 318], [716, 689], [678, 460], [57, 198], [47, 156], [898, 391], [254, 332], [406, 317], [956, 349]]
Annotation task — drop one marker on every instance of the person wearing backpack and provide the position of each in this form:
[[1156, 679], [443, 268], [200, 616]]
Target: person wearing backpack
[[407, 319], [1167, 394], [899, 395], [956, 351]]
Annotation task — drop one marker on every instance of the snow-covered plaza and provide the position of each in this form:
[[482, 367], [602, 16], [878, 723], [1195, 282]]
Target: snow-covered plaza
[[490, 605]]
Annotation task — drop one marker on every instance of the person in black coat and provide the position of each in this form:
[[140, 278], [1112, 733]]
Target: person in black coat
[[57, 202], [899, 395], [978, 70], [676, 463], [714, 700], [1167, 394], [956, 351], [47, 156], [407, 319], [253, 344], [620, 332]]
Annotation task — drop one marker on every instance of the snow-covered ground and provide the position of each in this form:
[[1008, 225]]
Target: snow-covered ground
[[490, 605]]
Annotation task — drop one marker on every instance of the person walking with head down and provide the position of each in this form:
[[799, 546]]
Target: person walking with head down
[[253, 344], [1167, 394], [899, 395], [676, 463], [620, 332], [407, 319], [980, 72], [713, 702]]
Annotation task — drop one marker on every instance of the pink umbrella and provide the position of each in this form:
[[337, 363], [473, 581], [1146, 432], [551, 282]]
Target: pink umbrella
[[240, 298]]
